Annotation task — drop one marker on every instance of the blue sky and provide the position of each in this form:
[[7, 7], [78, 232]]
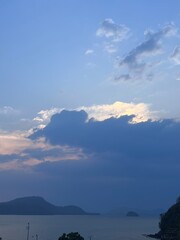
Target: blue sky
[[107, 59]]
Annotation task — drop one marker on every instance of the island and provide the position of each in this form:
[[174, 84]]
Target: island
[[132, 214], [38, 206]]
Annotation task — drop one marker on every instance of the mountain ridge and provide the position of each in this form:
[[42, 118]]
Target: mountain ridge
[[35, 205]]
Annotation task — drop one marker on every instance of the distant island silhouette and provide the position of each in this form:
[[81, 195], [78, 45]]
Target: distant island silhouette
[[132, 214], [38, 206]]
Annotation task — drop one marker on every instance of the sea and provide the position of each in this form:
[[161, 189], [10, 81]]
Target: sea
[[91, 227]]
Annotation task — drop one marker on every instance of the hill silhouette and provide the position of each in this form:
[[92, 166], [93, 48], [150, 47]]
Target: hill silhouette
[[169, 224], [37, 206]]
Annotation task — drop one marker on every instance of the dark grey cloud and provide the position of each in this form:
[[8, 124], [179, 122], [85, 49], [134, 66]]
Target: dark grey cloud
[[125, 163], [145, 139]]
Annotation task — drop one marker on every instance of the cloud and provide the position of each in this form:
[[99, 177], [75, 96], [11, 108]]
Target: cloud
[[140, 111], [176, 55], [101, 112], [121, 158], [8, 117], [89, 52], [44, 116], [122, 77], [17, 152], [20, 152], [141, 140], [109, 29], [23, 152], [7, 110], [139, 60], [150, 47], [113, 33], [11, 120], [143, 62], [110, 48], [146, 60], [13, 142]]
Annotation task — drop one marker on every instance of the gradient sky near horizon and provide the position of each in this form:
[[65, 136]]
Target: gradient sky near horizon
[[111, 66]]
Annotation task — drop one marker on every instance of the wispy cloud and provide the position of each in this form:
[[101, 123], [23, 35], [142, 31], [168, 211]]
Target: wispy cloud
[[109, 29], [110, 48], [18, 152], [13, 143], [150, 47], [44, 116], [7, 110], [144, 61], [10, 118], [175, 56], [89, 52], [113, 34], [139, 60], [122, 77]]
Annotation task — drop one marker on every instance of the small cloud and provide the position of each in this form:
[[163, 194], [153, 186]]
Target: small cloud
[[10, 118], [91, 65], [122, 77], [109, 29], [7, 110], [89, 52], [176, 55], [170, 30], [10, 165], [110, 48]]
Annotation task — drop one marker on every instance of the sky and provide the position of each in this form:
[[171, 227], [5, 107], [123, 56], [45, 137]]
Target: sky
[[89, 102]]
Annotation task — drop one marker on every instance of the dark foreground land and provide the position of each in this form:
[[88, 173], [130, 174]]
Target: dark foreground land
[[169, 224]]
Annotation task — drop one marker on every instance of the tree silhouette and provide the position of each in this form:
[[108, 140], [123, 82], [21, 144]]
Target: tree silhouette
[[71, 236], [178, 200]]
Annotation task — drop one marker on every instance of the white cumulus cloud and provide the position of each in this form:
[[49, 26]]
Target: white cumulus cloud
[[101, 112], [44, 116]]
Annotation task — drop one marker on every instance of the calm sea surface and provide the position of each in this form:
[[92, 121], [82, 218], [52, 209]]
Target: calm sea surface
[[90, 227]]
